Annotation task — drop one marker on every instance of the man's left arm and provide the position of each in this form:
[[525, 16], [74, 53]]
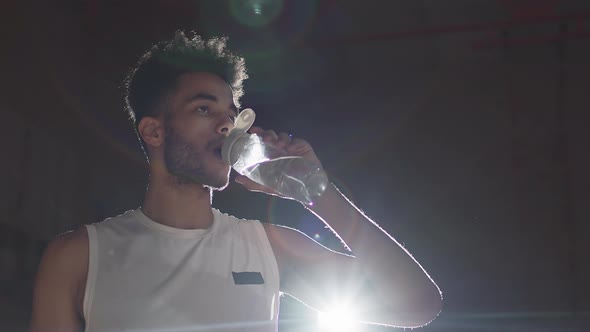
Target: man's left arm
[[382, 282]]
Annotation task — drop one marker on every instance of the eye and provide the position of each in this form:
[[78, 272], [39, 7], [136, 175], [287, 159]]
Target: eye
[[203, 109]]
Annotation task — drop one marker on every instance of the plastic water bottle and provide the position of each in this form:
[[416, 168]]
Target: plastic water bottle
[[291, 176]]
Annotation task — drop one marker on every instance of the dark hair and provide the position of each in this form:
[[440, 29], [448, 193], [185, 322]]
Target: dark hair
[[156, 72]]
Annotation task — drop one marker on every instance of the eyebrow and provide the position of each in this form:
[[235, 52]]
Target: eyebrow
[[207, 96]]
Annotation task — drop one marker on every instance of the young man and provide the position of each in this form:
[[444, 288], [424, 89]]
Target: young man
[[177, 264]]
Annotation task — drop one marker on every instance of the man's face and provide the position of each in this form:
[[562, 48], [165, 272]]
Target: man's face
[[200, 112]]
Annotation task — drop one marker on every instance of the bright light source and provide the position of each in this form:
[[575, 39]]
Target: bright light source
[[338, 319]]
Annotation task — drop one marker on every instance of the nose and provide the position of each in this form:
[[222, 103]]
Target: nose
[[225, 125]]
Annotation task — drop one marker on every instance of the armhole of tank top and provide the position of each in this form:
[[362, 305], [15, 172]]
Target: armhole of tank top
[[91, 276], [267, 248]]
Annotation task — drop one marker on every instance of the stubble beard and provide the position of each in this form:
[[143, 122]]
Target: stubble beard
[[185, 163]]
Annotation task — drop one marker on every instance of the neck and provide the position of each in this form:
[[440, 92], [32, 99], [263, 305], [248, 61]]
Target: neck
[[181, 205]]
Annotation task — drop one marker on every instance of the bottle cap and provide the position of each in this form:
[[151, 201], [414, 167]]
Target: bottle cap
[[243, 122]]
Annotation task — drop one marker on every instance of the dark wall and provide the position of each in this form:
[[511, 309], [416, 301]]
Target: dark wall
[[469, 145]]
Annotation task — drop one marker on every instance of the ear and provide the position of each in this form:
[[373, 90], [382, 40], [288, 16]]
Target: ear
[[151, 131]]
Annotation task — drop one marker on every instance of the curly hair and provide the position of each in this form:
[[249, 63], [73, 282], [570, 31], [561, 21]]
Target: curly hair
[[157, 71]]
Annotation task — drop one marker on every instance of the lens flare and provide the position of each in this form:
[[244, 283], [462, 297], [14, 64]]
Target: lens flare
[[340, 318], [255, 13]]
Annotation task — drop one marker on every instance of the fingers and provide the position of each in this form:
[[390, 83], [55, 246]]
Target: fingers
[[270, 136], [287, 143], [298, 146], [267, 135], [283, 141], [256, 130]]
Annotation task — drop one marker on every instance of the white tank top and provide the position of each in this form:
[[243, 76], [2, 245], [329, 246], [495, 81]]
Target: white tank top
[[145, 276]]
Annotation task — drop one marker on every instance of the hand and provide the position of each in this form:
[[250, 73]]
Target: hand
[[286, 145]]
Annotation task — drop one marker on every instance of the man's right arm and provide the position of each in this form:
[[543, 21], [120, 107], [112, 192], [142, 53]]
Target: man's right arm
[[60, 283]]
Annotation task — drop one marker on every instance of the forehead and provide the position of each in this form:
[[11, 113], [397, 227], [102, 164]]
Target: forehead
[[190, 84]]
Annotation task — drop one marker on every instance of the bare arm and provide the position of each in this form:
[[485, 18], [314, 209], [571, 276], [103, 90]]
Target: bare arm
[[404, 287], [382, 281], [59, 285]]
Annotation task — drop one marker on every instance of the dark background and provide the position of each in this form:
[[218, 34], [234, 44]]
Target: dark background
[[459, 126]]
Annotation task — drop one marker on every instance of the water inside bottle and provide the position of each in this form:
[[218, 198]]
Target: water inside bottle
[[303, 181]]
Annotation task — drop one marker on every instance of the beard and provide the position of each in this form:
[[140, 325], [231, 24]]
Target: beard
[[185, 162]]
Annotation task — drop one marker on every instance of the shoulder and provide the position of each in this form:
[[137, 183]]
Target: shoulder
[[66, 257], [63, 269], [287, 243], [69, 246]]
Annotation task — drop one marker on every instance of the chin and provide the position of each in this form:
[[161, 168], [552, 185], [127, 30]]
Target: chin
[[219, 183], [217, 188]]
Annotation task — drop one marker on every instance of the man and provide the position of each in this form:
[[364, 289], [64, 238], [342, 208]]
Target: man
[[177, 264]]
